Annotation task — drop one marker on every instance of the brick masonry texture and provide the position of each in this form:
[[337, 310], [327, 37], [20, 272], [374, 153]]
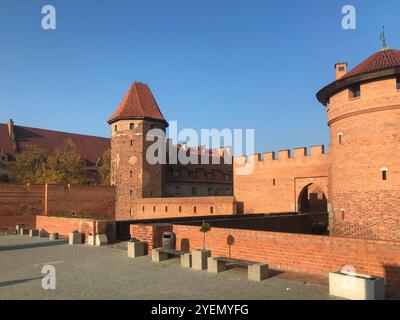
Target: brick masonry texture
[[290, 252], [276, 183], [182, 207], [151, 234], [20, 204], [64, 226], [363, 204]]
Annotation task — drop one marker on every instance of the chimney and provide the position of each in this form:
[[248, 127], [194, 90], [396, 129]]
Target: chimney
[[341, 69], [11, 129]]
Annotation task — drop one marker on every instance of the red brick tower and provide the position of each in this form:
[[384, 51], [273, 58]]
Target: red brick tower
[[132, 175], [363, 108]]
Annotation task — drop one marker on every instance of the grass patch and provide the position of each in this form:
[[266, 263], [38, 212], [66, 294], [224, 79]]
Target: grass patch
[[70, 216]]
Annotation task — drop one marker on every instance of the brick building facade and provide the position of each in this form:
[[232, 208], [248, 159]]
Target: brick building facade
[[13, 139]]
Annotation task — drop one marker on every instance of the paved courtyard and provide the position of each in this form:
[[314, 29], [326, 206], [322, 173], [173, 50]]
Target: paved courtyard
[[85, 272]]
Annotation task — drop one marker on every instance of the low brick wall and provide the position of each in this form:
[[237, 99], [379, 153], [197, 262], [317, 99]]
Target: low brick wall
[[64, 226], [151, 234], [300, 253], [9, 222], [310, 254]]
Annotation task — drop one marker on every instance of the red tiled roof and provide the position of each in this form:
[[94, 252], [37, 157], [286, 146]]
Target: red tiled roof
[[139, 103], [383, 59], [90, 148]]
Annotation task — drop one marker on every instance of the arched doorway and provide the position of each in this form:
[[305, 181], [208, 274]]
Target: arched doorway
[[312, 199]]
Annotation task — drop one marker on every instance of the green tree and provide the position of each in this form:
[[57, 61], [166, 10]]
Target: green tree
[[104, 168], [31, 165], [205, 227], [66, 166]]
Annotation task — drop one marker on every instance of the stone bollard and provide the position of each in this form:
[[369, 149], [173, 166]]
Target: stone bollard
[[101, 240], [199, 259], [19, 227], [33, 233], [91, 240], [43, 234], [135, 249], [75, 238], [186, 260], [53, 236]]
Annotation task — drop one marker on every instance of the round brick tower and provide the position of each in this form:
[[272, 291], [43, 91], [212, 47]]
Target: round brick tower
[[363, 108], [131, 174]]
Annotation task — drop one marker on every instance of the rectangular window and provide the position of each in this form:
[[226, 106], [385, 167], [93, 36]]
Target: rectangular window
[[227, 192], [227, 177], [209, 175], [175, 173], [398, 82], [355, 91], [178, 190], [194, 191], [384, 175], [210, 191], [193, 174], [273, 182]]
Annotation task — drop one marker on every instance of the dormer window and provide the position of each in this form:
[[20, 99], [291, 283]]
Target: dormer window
[[355, 91]]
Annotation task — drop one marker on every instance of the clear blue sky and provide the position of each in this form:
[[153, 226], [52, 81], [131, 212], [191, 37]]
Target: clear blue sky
[[210, 64]]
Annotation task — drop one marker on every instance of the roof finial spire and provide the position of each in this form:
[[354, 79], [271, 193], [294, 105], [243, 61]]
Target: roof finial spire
[[383, 39]]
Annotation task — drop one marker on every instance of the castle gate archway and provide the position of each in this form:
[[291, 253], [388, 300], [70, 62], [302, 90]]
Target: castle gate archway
[[312, 199]]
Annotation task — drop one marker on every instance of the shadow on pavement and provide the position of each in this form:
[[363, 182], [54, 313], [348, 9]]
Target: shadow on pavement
[[15, 282], [33, 245]]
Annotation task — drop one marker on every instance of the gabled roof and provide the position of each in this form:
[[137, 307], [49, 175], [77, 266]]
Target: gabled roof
[[383, 59], [90, 148], [138, 103]]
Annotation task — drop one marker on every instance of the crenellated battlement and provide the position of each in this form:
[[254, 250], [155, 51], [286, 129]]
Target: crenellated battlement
[[301, 153], [199, 151]]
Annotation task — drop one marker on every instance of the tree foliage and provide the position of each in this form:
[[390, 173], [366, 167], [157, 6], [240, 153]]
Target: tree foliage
[[104, 168], [66, 166], [31, 165], [34, 166], [205, 227]]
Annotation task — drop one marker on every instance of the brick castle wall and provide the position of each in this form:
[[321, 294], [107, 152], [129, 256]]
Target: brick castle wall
[[276, 183], [20, 204], [365, 140], [182, 207], [88, 201]]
